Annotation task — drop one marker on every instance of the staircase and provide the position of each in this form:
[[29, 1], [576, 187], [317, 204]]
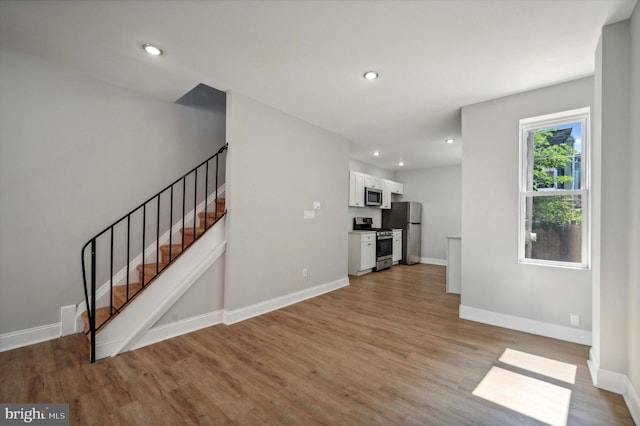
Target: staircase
[[154, 279], [123, 294]]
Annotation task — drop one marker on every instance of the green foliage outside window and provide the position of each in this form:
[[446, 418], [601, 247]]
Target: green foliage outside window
[[556, 210]]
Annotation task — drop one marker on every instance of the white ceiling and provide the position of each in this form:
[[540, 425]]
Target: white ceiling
[[307, 58]]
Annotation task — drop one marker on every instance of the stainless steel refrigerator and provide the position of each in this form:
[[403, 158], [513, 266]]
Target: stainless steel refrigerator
[[406, 215]]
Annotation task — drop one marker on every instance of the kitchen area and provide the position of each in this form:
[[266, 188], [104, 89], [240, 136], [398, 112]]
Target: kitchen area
[[415, 220], [397, 241], [392, 232]]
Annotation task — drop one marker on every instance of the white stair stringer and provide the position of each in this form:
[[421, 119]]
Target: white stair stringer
[[133, 323]]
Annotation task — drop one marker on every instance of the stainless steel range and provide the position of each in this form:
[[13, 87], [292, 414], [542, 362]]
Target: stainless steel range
[[384, 241]]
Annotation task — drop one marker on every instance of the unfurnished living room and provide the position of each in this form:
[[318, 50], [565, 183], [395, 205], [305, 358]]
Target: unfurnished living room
[[320, 212]]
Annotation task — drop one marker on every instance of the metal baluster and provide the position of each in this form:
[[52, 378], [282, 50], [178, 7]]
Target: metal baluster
[[184, 192], [158, 235], [128, 251], [92, 318], [111, 273], [206, 194], [216, 213], [195, 202], [171, 225], [144, 227]]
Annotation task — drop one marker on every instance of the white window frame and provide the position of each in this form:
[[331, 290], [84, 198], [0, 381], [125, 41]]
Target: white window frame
[[582, 115]]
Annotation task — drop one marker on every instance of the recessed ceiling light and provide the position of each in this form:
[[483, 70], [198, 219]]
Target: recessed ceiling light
[[370, 75], [450, 141], [152, 50], [376, 153], [401, 163]]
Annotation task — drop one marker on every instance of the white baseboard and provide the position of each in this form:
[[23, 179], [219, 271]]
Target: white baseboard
[[29, 336], [593, 365], [241, 314], [361, 273], [615, 382], [633, 401], [432, 261], [178, 328], [555, 331]]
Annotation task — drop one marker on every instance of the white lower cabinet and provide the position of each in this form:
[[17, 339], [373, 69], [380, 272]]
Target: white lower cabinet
[[397, 246], [362, 252]]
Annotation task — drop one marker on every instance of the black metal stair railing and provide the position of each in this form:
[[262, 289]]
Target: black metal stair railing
[[105, 246]]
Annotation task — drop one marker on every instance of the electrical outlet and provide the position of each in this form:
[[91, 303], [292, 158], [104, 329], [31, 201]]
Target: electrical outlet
[[574, 319], [305, 272]]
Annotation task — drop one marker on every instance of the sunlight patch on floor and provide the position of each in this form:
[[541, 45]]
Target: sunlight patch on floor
[[535, 398], [541, 365]]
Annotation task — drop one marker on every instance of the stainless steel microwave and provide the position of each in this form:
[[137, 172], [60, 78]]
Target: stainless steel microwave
[[372, 197]]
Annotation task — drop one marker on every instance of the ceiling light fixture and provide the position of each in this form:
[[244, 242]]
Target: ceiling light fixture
[[376, 153], [152, 50], [450, 141], [401, 163], [370, 75]]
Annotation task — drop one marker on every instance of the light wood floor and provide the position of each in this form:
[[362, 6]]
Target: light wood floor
[[389, 349]]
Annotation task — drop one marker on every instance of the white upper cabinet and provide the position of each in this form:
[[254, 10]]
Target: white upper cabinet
[[396, 188], [386, 194], [359, 181], [373, 182], [356, 189]]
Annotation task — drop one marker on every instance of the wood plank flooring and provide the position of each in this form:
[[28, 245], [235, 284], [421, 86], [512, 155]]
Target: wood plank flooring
[[389, 349]]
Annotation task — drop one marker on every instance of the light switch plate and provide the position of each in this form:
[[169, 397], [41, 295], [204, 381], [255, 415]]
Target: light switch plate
[[316, 205]]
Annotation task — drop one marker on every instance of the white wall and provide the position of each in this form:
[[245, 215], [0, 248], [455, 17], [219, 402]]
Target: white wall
[[75, 155], [440, 192], [615, 356], [373, 212], [277, 165], [205, 296], [611, 194], [492, 278], [633, 296]]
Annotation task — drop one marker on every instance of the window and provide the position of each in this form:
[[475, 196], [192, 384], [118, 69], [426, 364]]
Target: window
[[554, 199]]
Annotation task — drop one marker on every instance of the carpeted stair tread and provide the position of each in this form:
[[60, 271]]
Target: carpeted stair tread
[[176, 249], [149, 270], [189, 231], [190, 235], [102, 315], [212, 215], [120, 293]]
